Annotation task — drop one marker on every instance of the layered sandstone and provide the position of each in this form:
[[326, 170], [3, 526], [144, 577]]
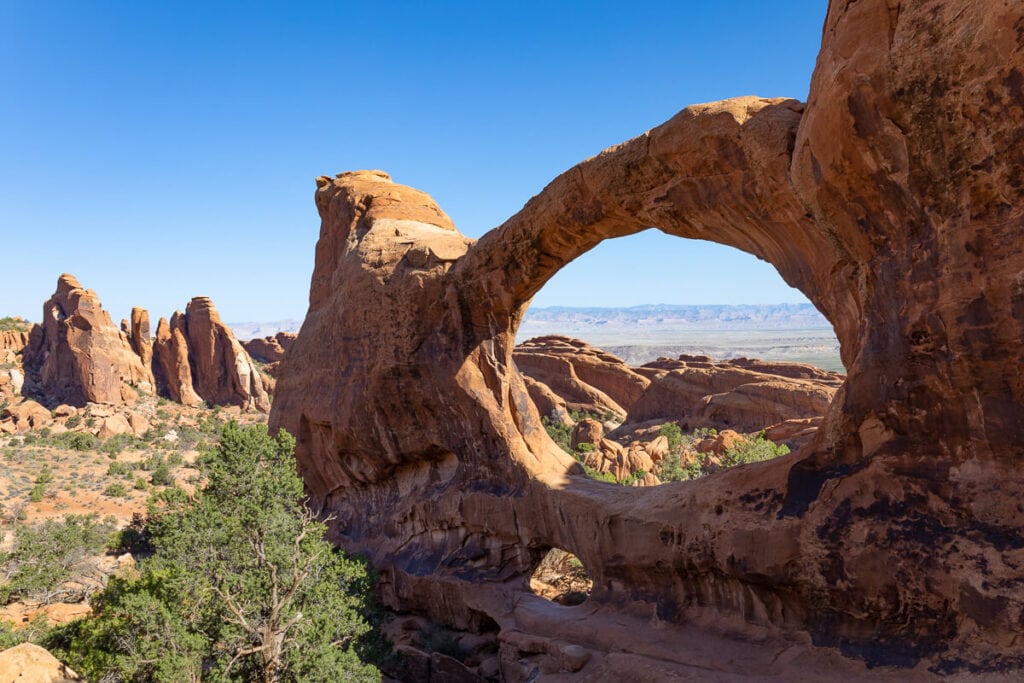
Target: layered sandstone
[[585, 378], [728, 395], [78, 355], [892, 199]]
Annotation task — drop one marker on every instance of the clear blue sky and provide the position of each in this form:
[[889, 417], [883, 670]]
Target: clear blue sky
[[163, 150]]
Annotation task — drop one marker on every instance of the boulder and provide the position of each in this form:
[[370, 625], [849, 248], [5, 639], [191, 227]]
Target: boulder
[[586, 431], [657, 448], [548, 403], [113, 426], [78, 355], [720, 443], [27, 415], [29, 663]]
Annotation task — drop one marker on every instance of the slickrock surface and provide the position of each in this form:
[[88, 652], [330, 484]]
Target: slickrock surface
[[893, 199], [586, 378], [732, 396], [28, 663], [79, 355]]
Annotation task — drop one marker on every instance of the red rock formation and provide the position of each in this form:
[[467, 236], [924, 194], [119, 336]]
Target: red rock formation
[[727, 396], [78, 355], [198, 359], [586, 378], [269, 349], [892, 200], [138, 335], [171, 365], [14, 341], [224, 372]]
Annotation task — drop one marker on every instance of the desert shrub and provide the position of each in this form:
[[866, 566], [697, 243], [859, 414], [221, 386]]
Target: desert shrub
[[634, 477], [671, 469], [674, 434], [73, 421], [45, 476], [118, 469], [597, 474], [560, 433], [9, 324], [117, 443], [140, 484], [753, 450], [36, 494], [116, 490], [585, 447], [76, 441], [162, 476]]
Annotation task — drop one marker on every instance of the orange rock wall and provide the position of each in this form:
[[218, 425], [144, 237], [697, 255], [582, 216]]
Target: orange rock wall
[[892, 199]]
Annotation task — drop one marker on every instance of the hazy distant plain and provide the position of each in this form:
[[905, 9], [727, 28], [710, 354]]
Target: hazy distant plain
[[639, 334], [790, 332]]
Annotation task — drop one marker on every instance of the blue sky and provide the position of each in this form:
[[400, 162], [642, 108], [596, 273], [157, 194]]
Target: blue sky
[[161, 151]]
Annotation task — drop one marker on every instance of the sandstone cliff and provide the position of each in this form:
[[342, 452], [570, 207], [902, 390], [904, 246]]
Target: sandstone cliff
[[199, 360], [78, 355], [892, 199]]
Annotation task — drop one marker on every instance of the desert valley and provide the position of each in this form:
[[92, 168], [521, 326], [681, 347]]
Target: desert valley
[[429, 480]]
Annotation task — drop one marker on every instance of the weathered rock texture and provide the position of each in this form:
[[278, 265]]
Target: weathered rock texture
[[269, 349], [586, 378], [171, 365], [78, 355], [32, 664], [893, 199], [732, 396], [197, 359]]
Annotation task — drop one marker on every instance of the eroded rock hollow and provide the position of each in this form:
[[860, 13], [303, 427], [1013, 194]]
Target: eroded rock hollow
[[894, 199]]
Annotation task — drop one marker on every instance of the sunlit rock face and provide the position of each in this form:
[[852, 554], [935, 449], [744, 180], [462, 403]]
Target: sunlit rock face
[[77, 354], [893, 199]]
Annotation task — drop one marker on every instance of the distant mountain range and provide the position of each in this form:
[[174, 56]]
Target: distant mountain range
[[669, 316], [247, 331], [638, 334], [653, 317]]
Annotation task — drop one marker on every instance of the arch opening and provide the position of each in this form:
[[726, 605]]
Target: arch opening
[[642, 394], [561, 578]]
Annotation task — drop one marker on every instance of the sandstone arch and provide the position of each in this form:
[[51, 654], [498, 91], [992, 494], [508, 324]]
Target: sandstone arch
[[893, 200]]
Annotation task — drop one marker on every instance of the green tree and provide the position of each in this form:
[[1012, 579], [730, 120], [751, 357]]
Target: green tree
[[54, 561], [242, 585]]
